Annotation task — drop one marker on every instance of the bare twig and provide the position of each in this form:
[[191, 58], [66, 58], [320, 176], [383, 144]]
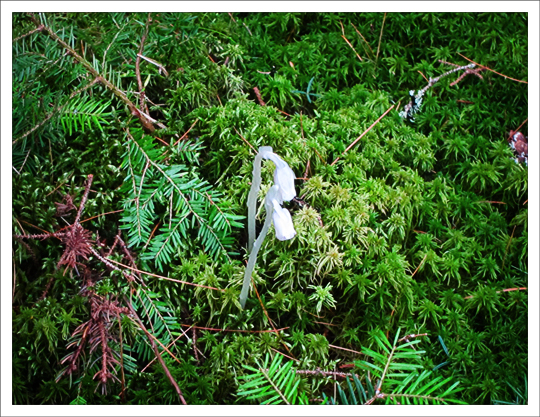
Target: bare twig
[[270, 320], [84, 198], [348, 43], [157, 276], [419, 265], [521, 125], [250, 145], [158, 354], [380, 38], [157, 64], [99, 215], [489, 69], [185, 134], [498, 292], [362, 135], [286, 356], [357, 31], [258, 94], [234, 330], [348, 350], [142, 104]]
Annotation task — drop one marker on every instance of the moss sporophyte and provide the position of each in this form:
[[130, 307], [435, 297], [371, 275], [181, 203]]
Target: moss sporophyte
[[282, 190]]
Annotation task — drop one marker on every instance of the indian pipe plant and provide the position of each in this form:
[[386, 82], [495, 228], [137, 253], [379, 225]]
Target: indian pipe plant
[[403, 276]]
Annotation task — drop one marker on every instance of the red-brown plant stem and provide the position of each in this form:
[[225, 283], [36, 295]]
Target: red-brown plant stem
[[168, 346], [380, 38], [348, 350], [99, 215], [489, 69], [521, 125], [185, 134], [142, 100], [158, 356], [84, 198], [258, 94], [286, 356], [151, 235], [362, 135], [233, 330], [270, 320], [498, 292], [348, 43], [357, 31], [245, 140], [110, 262]]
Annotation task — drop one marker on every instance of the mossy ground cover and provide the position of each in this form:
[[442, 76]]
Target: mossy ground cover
[[420, 227]]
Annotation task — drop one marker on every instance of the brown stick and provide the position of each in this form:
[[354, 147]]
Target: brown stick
[[258, 94], [185, 134], [489, 69], [162, 277], [380, 37], [142, 101], [498, 292], [234, 330], [521, 125], [348, 350], [357, 31], [367, 130], [270, 320], [84, 198], [158, 355], [348, 43], [245, 140]]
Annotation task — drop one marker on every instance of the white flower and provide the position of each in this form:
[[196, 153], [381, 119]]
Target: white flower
[[281, 217], [283, 175], [282, 222]]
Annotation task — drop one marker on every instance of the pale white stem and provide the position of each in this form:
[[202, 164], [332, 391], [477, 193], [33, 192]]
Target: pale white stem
[[253, 256]]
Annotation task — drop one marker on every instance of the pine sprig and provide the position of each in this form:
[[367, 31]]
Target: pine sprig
[[191, 204], [273, 383], [396, 369]]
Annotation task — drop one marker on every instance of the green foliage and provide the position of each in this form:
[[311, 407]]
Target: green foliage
[[418, 226], [272, 383], [188, 203], [396, 377]]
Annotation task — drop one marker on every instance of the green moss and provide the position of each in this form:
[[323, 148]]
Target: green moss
[[418, 226]]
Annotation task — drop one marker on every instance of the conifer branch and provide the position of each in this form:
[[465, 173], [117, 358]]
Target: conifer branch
[[144, 119]]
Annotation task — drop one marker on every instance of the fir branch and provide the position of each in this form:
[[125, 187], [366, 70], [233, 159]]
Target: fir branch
[[190, 206], [143, 118], [265, 373], [57, 110]]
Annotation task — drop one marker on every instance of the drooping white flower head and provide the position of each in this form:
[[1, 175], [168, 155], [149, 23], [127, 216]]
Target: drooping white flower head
[[283, 176], [282, 190], [281, 218]]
